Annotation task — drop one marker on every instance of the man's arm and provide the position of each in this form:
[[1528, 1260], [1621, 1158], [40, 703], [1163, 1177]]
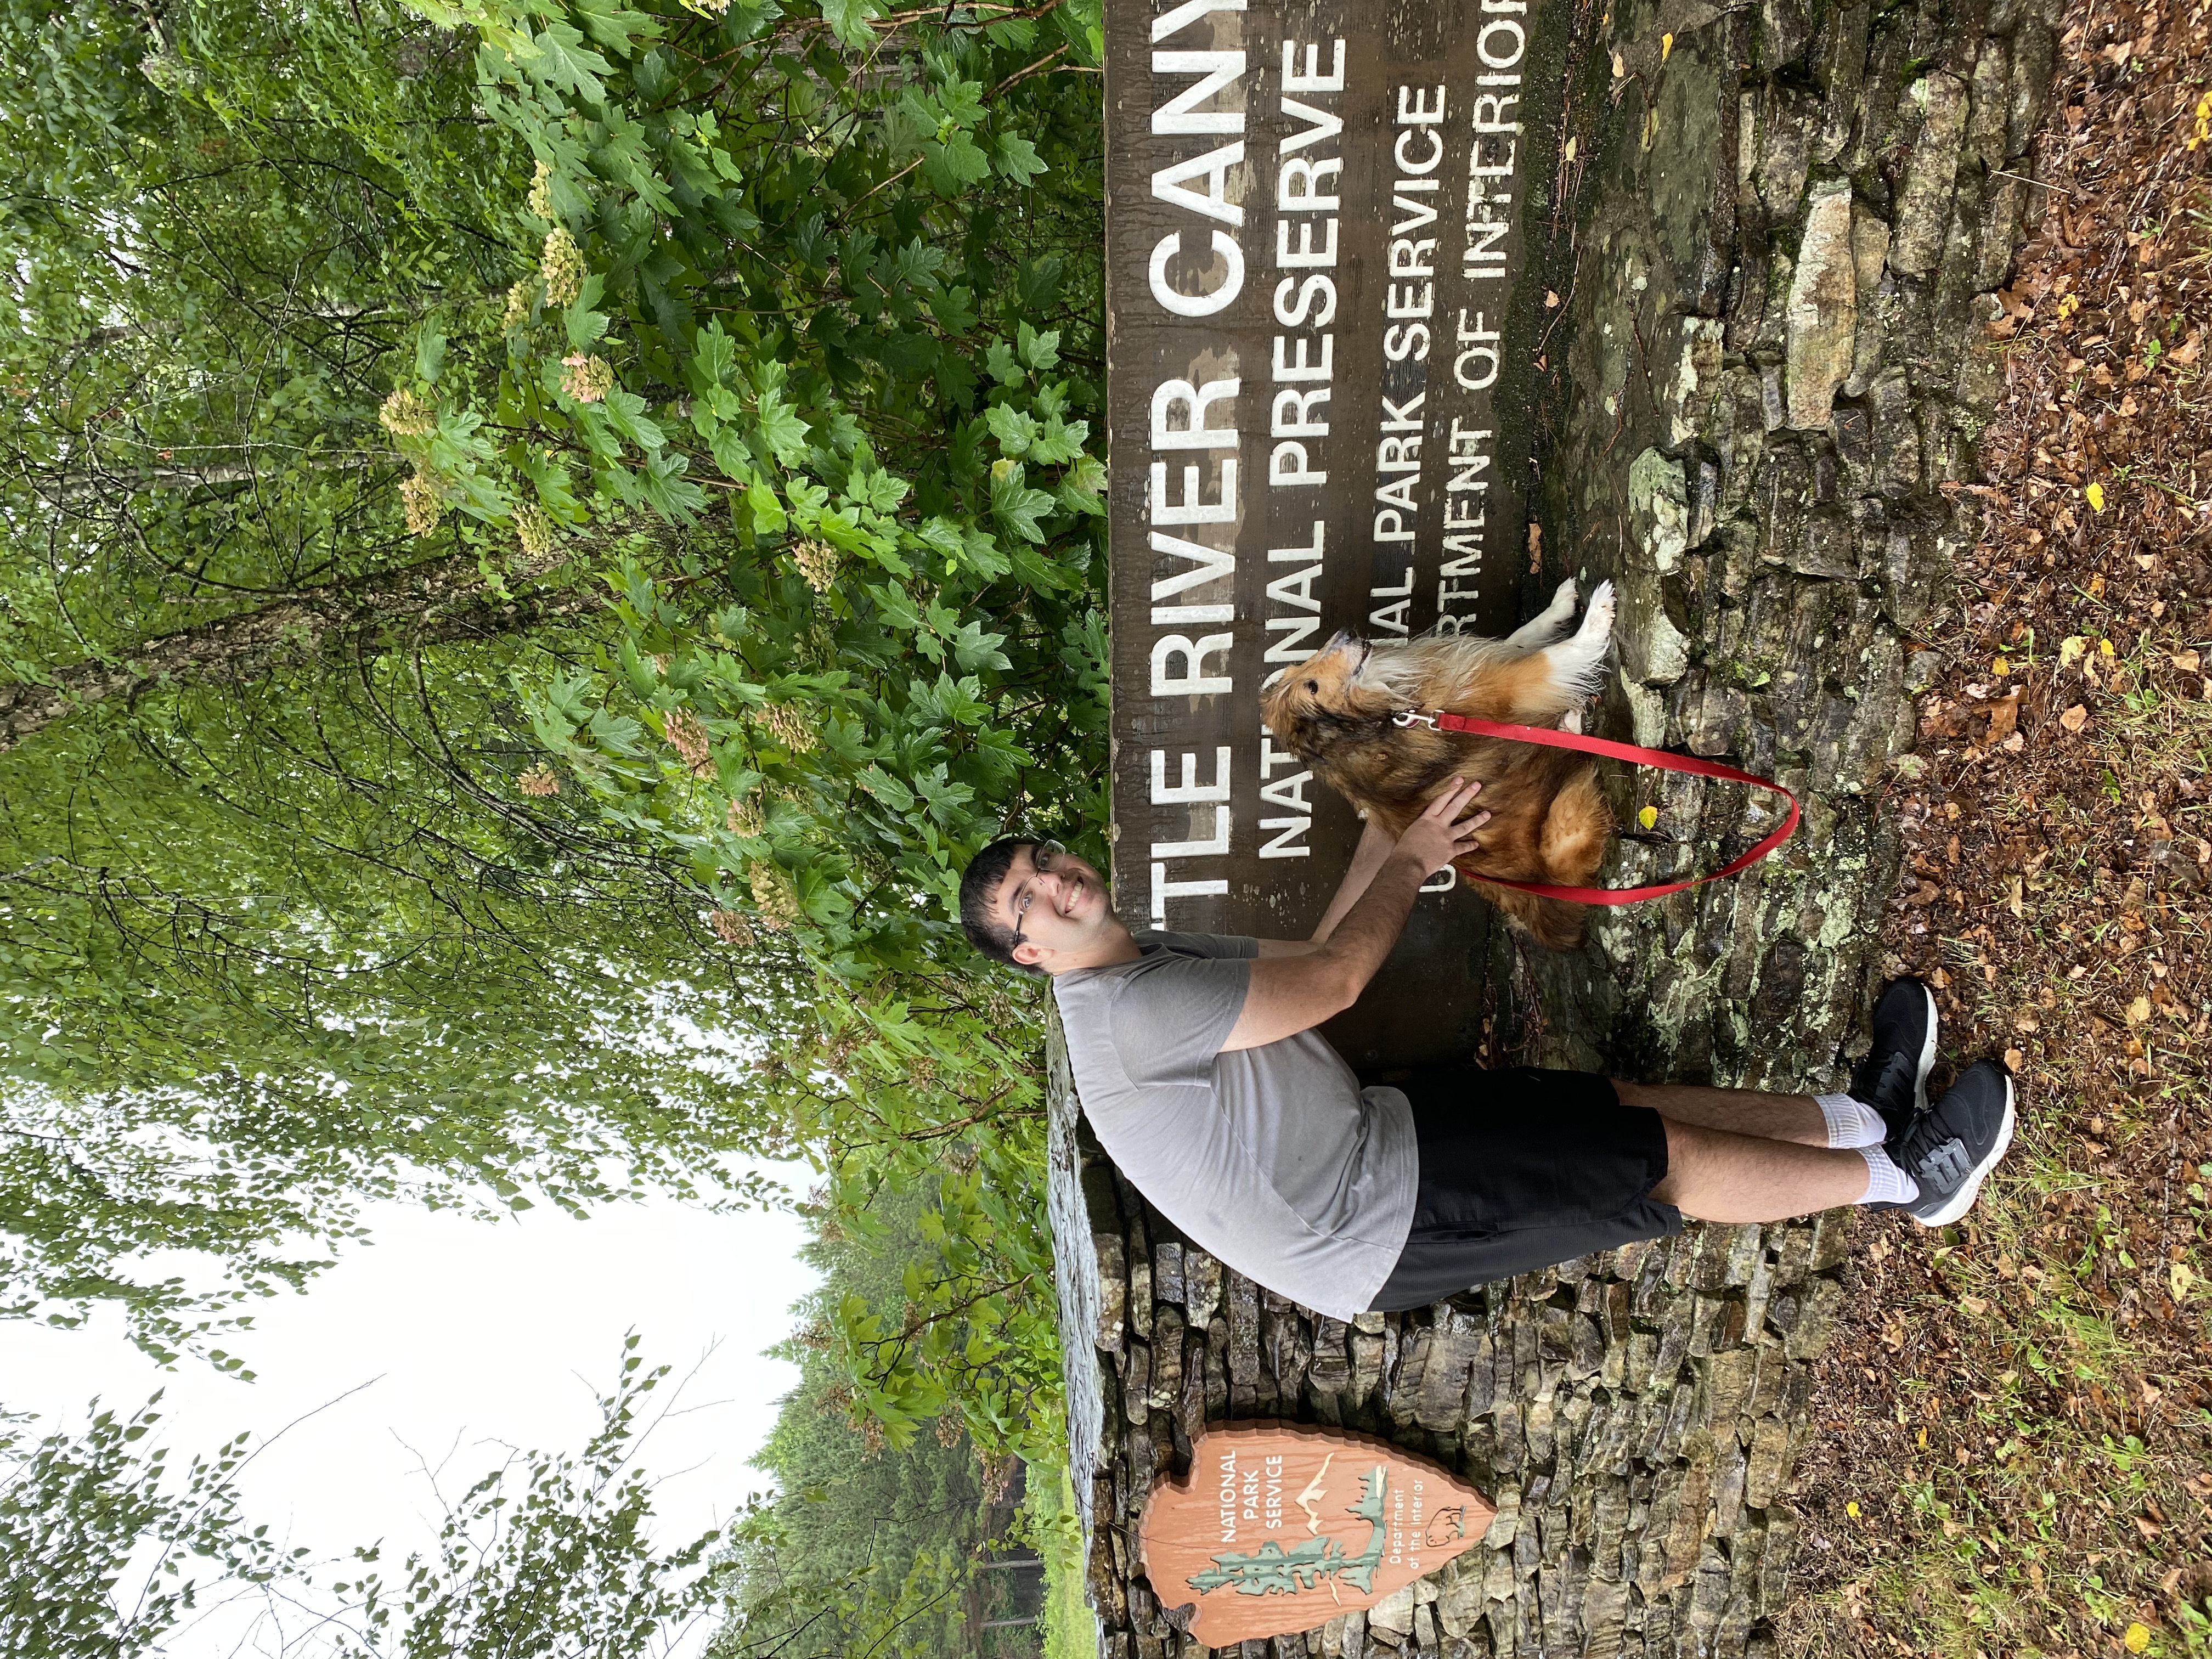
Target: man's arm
[[1293, 994], [1374, 845]]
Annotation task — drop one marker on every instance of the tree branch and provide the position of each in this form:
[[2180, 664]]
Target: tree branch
[[436, 600]]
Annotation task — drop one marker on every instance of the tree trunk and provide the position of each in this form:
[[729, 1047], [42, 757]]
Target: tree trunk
[[1779, 228], [429, 603], [118, 485]]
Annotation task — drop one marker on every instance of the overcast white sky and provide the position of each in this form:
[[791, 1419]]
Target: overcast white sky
[[470, 1338]]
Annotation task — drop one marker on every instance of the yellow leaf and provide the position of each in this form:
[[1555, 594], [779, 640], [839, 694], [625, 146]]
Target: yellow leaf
[[2180, 1277], [1666, 46], [2138, 1011], [2095, 495], [1923, 1438], [2137, 1638], [2001, 667], [1851, 1508], [2104, 648], [2070, 650], [1648, 816]]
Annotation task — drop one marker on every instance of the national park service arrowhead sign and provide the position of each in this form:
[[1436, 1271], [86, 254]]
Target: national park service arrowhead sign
[[1280, 1529]]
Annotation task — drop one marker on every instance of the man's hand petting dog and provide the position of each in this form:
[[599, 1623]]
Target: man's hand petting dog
[[1438, 835]]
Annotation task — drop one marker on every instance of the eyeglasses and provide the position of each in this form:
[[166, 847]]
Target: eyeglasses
[[1044, 856]]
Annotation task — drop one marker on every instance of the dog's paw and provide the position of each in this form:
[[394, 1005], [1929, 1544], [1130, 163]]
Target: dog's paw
[[1597, 621], [1563, 601]]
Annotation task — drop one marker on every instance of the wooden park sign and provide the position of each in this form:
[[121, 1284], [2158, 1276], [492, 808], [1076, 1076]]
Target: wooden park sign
[[1280, 1529], [1318, 341]]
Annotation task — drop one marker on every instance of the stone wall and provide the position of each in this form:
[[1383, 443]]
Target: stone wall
[[1765, 390], [1634, 1415], [1778, 232]]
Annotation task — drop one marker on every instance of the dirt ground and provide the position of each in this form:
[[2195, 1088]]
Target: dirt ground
[[2012, 1440]]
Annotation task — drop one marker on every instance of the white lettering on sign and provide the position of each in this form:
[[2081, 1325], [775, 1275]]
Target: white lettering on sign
[[1409, 302], [1493, 132], [1301, 369], [1304, 228], [1226, 1498], [1307, 201], [1199, 90], [1294, 609], [1285, 831]]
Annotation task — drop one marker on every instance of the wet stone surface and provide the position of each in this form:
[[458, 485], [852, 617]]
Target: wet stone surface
[[1635, 1415], [1770, 369]]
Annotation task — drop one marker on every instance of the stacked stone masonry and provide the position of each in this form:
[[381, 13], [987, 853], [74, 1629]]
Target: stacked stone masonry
[[1775, 256], [1767, 385], [1635, 1415]]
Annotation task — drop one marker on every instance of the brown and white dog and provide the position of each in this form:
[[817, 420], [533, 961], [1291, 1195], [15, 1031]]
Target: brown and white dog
[[1337, 711]]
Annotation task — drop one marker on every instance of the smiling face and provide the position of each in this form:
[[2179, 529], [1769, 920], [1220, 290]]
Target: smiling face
[[1061, 913]]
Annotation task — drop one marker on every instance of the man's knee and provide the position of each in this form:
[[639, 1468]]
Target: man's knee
[[1690, 1150], [1669, 1187]]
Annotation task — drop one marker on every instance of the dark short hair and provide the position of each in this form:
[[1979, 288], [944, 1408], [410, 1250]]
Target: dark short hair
[[979, 885]]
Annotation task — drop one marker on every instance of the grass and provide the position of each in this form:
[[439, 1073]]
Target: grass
[[1069, 1628]]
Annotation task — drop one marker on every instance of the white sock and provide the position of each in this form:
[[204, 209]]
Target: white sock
[[1851, 1122], [1886, 1182]]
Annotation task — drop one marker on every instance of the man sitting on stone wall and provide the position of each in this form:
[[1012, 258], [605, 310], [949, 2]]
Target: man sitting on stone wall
[[1200, 1067]]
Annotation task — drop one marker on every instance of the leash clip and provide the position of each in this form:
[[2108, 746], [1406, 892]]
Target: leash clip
[[1414, 717]]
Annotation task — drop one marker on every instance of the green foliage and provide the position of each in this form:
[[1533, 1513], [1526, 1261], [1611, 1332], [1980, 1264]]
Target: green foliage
[[1069, 1628], [550, 1554], [96, 1538], [867, 1544], [286, 966], [892, 389], [563, 1565], [537, 542], [823, 292]]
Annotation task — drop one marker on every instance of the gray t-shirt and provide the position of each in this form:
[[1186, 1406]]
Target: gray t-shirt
[[1273, 1158]]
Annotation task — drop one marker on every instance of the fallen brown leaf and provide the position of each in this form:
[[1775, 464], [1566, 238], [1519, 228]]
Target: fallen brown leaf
[[2074, 718]]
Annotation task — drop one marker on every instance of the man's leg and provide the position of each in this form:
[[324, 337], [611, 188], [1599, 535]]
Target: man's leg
[[1739, 1111], [1807, 1119], [1715, 1175]]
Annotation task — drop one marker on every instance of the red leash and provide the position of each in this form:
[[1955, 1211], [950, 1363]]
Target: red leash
[[1637, 756]]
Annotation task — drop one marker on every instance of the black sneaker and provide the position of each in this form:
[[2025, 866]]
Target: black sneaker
[[1949, 1149], [1894, 1077]]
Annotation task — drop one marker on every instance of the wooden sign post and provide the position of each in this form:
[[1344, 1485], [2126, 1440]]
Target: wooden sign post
[[1318, 342], [1280, 1528]]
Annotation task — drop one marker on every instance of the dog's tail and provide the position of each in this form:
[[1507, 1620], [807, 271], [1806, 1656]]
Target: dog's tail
[[1552, 923]]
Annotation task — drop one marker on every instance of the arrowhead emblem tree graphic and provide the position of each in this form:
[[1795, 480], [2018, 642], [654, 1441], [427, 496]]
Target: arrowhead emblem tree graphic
[[1280, 1528]]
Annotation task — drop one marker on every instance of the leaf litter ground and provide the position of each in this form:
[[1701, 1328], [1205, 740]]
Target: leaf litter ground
[[2010, 1449]]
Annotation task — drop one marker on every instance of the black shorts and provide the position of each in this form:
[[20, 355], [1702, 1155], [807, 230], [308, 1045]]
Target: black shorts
[[1522, 1168]]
